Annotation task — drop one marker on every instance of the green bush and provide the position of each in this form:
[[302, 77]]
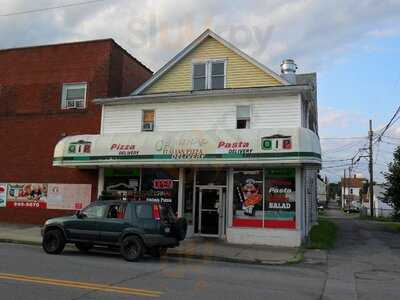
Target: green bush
[[322, 235]]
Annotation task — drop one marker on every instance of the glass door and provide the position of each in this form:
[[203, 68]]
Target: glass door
[[210, 201]]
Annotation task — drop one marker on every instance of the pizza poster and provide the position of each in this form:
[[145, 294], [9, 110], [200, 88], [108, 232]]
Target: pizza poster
[[26, 195], [280, 187], [3, 194]]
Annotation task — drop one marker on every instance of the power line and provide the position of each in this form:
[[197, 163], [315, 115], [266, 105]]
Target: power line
[[390, 123], [38, 10], [343, 147], [335, 160], [339, 166], [343, 138]]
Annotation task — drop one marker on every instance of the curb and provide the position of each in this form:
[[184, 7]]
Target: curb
[[231, 260], [294, 260]]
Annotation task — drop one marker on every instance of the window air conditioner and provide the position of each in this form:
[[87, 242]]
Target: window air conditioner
[[148, 126]]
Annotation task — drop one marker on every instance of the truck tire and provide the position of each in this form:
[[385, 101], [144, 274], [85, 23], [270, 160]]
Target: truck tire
[[53, 241], [84, 247], [180, 229], [132, 248]]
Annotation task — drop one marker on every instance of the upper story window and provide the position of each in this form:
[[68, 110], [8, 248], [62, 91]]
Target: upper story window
[[209, 75], [74, 95], [243, 113], [148, 120]]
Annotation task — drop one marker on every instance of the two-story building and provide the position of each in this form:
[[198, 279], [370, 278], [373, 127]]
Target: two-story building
[[46, 93], [224, 140], [351, 196]]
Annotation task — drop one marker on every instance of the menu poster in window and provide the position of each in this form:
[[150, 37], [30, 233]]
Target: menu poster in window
[[3, 194], [27, 195], [68, 196], [248, 198], [281, 198]]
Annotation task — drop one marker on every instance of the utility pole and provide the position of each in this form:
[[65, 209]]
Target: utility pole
[[371, 171], [344, 189]]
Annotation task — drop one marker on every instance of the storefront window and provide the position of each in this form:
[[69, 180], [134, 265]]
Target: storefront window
[[248, 198], [120, 183], [161, 185], [276, 209], [280, 187]]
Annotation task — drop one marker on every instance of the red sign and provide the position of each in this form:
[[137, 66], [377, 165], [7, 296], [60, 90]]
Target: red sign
[[163, 184], [26, 204]]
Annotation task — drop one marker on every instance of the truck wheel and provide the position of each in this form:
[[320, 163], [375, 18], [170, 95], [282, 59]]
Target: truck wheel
[[84, 247], [158, 251], [53, 241], [132, 248], [180, 229]]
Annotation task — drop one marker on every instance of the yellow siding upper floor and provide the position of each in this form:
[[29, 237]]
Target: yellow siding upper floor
[[240, 73]]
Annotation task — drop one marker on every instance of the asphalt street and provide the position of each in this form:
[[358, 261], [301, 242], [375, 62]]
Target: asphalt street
[[364, 265]]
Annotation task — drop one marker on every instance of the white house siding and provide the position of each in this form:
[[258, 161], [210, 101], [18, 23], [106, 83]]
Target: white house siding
[[272, 112]]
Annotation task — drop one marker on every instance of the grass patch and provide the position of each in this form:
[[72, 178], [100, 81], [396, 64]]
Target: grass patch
[[393, 226], [323, 235], [379, 219]]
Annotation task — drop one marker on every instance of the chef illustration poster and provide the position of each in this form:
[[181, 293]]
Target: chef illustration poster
[[248, 198]]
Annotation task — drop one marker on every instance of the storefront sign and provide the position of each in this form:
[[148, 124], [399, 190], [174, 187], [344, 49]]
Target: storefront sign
[[163, 184], [3, 194], [276, 142], [239, 147], [124, 149], [182, 148], [261, 145], [80, 147]]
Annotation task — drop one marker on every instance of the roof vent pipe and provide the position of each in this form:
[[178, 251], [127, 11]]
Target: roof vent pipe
[[288, 70]]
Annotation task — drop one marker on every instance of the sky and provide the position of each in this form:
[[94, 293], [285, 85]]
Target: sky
[[352, 45]]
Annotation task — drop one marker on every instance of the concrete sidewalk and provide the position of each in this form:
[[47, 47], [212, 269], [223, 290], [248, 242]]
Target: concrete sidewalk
[[198, 248]]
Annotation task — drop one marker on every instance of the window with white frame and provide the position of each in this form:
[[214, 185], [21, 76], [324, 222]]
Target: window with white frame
[[74, 96], [243, 113], [148, 120], [209, 75]]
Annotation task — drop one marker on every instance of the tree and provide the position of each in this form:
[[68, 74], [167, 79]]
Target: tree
[[333, 190], [392, 183]]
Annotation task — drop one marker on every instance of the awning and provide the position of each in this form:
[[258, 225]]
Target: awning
[[191, 148]]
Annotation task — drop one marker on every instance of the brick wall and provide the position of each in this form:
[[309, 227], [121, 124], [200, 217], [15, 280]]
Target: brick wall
[[31, 118]]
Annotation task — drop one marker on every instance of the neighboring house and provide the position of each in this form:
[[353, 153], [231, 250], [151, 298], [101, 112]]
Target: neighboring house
[[225, 141], [381, 209], [321, 191], [351, 188], [46, 93]]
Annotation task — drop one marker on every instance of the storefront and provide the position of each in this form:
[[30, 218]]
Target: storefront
[[252, 186]]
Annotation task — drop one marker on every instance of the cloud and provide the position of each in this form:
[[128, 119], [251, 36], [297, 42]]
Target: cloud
[[312, 32], [336, 118]]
